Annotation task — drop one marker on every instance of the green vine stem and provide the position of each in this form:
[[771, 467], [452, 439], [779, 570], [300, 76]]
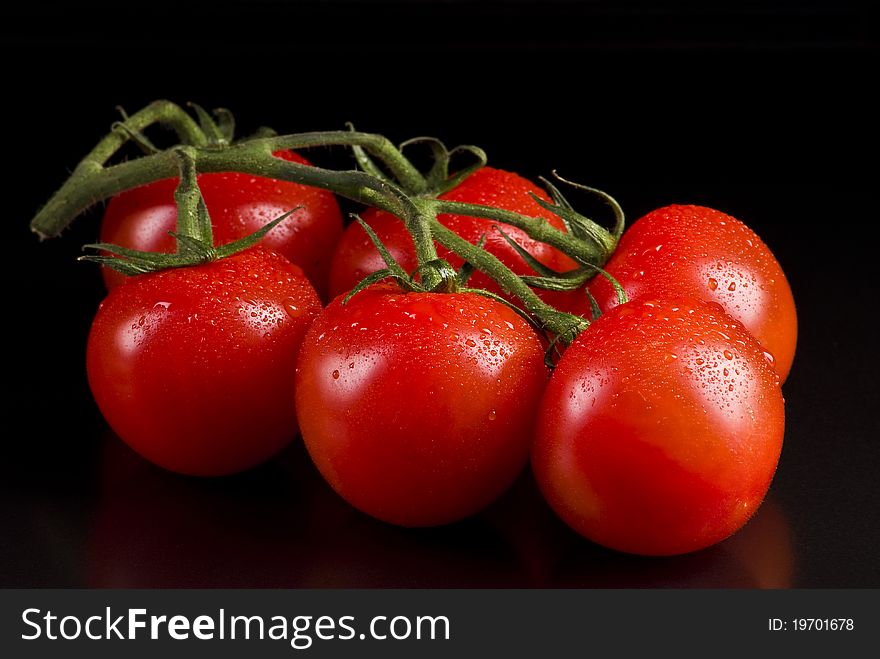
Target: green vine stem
[[438, 179], [564, 325], [537, 228], [93, 181], [165, 113], [194, 235], [424, 227]]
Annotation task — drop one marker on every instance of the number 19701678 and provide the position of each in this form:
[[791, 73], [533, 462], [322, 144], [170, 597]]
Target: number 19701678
[[810, 624]]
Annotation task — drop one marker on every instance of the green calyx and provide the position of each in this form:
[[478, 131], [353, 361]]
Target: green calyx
[[438, 179], [433, 276], [194, 235], [214, 129], [444, 278], [219, 129]]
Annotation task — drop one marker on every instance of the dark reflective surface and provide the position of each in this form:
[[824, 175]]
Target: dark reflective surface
[[282, 526], [765, 119]]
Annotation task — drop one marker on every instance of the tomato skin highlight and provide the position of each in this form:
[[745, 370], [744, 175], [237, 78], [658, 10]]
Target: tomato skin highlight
[[703, 253], [194, 367], [661, 428], [239, 204], [355, 256], [417, 408]]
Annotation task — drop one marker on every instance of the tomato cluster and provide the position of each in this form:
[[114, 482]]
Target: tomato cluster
[[657, 431]]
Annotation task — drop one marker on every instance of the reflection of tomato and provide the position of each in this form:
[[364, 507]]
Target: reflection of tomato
[[703, 253], [277, 526], [239, 204], [356, 257], [155, 529], [764, 548], [761, 555], [539, 539], [193, 367], [281, 525], [661, 428], [352, 550], [418, 407]]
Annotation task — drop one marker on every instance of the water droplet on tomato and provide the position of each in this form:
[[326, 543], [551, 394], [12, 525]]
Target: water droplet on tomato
[[335, 375], [728, 354], [732, 286], [471, 343], [668, 358], [770, 358], [492, 415], [726, 372], [713, 283]]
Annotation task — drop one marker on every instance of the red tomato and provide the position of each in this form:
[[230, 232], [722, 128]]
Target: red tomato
[[356, 257], [661, 428], [239, 204], [417, 407], [193, 367], [703, 253]]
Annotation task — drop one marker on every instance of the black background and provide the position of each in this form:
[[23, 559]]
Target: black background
[[762, 110]]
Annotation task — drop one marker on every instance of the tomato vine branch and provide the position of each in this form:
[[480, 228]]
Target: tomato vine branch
[[564, 325], [206, 142], [92, 182]]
